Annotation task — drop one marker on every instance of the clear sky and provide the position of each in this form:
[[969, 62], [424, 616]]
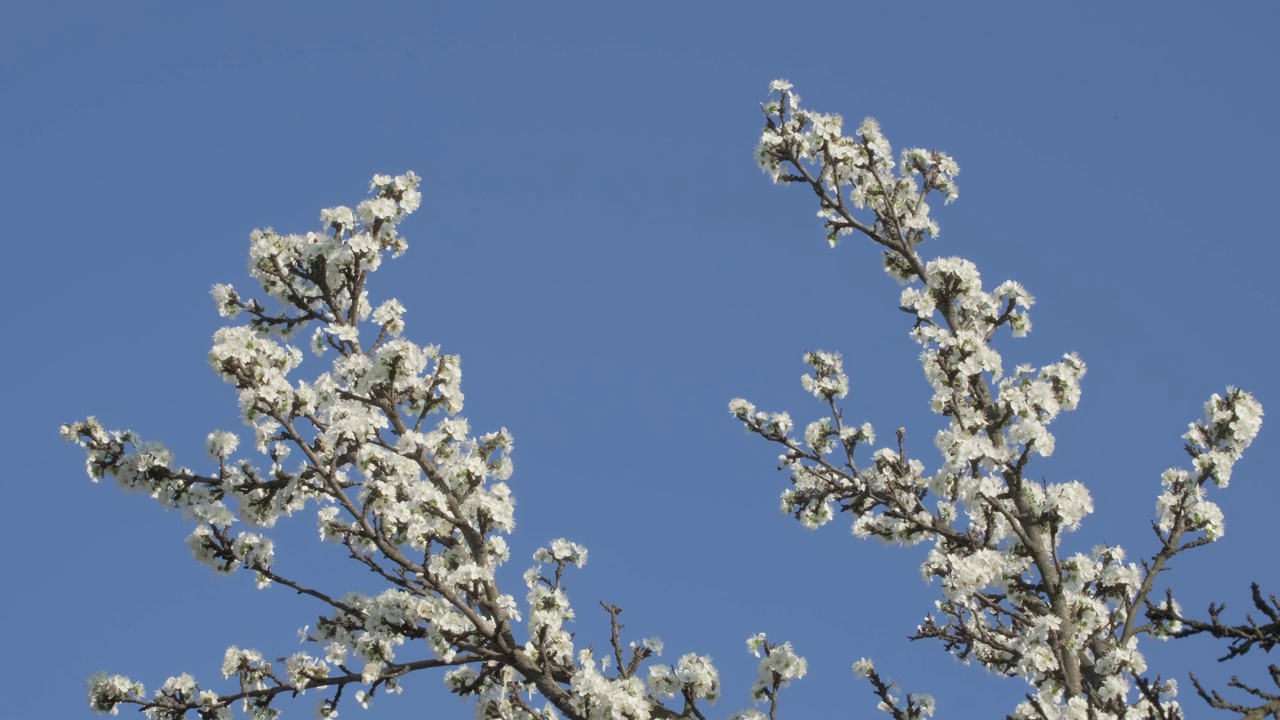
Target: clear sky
[[599, 247]]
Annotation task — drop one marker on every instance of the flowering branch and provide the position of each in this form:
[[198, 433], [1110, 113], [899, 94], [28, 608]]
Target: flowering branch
[[1012, 599], [915, 707], [423, 507]]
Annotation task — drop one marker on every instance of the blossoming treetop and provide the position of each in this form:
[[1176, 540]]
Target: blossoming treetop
[[376, 448]]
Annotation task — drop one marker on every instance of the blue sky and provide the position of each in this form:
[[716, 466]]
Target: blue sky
[[599, 247]]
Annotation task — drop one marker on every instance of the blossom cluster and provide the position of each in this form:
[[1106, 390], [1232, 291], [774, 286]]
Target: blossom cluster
[[861, 166]]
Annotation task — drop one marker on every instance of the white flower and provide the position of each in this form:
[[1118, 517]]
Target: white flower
[[390, 315], [563, 551], [106, 692], [221, 444], [302, 669], [380, 208], [410, 201], [698, 676], [781, 666], [340, 216], [227, 300], [828, 380]]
